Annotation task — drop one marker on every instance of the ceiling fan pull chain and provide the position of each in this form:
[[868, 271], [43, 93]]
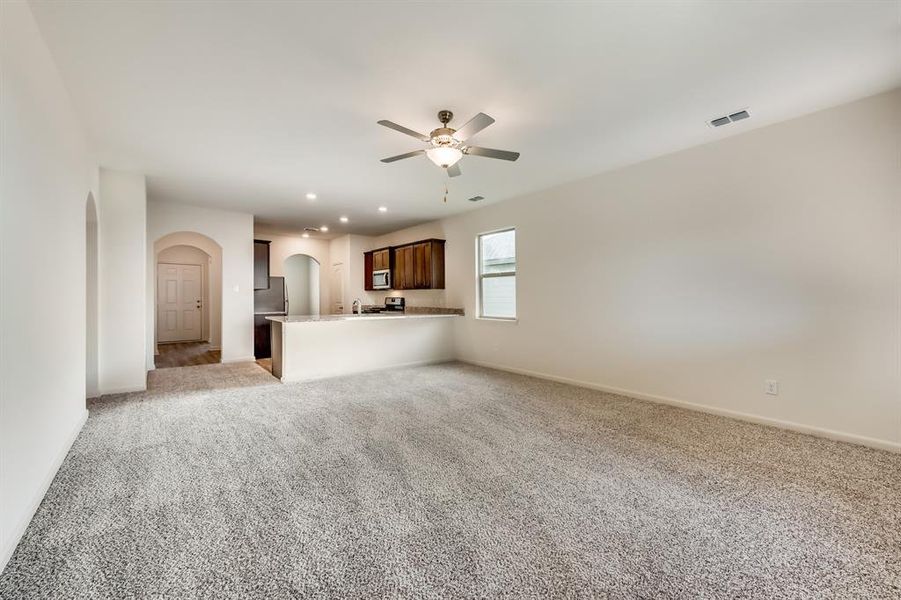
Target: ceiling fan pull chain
[[445, 193]]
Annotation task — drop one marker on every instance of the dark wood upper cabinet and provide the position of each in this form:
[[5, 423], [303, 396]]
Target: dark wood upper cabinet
[[422, 261], [422, 265], [436, 277], [381, 259], [260, 265], [367, 271], [403, 272], [415, 266], [375, 260]]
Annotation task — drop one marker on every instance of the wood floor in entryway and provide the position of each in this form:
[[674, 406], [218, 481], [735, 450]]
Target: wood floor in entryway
[[186, 354]]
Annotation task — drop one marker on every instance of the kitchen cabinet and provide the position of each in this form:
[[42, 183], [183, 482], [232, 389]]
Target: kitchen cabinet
[[261, 337], [367, 271], [415, 266], [422, 259], [404, 268], [260, 265], [381, 259], [375, 260], [419, 266]]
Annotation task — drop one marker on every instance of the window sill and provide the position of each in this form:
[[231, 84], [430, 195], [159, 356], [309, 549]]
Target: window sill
[[498, 319]]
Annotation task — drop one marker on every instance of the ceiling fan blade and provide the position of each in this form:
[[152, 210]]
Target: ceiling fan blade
[[402, 129], [454, 170], [473, 126], [491, 153], [391, 159]]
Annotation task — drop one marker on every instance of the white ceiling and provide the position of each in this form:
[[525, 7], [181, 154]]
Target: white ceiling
[[249, 105]]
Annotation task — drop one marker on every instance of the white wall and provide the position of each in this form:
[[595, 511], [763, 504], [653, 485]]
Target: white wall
[[92, 299], [353, 273], [336, 275], [233, 232], [302, 284], [313, 350], [181, 254], [46, 178], [123, 277], [697, 276], [283, 246]]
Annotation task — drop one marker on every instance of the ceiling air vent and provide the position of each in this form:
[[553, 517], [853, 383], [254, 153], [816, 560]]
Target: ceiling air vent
[[476, 198], [732, 118], [311, 229]]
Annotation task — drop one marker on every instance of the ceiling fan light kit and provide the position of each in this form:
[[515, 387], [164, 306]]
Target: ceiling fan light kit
[[447, 144], [444, 156]]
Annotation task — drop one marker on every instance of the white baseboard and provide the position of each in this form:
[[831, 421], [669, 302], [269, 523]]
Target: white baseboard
[[239, 359], [124, 390], [751, 418], [19, 530]]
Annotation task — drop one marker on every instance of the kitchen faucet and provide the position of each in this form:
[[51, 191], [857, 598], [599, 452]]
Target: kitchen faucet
[[357, 307]]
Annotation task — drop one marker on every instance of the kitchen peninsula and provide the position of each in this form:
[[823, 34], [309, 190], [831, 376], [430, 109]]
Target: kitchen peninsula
[[313, 347]]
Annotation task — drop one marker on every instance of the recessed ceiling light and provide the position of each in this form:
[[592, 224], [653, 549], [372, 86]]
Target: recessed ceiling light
[[311, 196], [323, 228], [344, 219], [383, 209], [306, 235]]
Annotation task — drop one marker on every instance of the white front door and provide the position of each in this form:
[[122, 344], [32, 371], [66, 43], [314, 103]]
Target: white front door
[[337, 288], [179, 301]]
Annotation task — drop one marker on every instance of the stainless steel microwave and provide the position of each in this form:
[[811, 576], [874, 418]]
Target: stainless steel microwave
[[381, 280]]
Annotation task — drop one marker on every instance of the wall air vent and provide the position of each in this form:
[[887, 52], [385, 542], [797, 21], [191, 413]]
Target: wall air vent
[[476, 198], [732, 118]]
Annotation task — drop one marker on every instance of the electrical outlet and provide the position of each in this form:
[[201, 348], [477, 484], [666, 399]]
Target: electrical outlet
[[772, 387]]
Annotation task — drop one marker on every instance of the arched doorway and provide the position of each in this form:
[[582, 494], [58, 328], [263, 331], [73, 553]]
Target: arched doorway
[[92, 295], [302, 284], [188, 300]]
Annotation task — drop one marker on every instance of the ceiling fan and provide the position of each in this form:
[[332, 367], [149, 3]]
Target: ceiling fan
[[446, 145]]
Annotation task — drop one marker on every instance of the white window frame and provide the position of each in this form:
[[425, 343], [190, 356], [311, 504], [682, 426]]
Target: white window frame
[[480, 276]]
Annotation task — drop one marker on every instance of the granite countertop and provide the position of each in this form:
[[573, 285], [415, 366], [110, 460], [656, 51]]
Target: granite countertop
[[365, 317]]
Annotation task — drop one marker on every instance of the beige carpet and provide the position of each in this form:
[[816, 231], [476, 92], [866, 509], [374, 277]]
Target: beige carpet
[[449, 481]]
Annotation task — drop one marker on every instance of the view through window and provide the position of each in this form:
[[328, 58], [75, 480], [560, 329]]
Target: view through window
[[497, 274]]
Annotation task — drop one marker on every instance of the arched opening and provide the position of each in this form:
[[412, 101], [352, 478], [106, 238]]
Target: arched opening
[[92, 302], [302, 284], [188, 300]]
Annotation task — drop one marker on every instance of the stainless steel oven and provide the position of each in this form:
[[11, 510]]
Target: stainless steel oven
[[381, 280]]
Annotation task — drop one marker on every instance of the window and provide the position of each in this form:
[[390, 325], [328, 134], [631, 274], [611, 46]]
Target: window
[[497, 274]]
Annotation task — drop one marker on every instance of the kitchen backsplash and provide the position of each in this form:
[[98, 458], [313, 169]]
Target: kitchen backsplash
[[427, 298]]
